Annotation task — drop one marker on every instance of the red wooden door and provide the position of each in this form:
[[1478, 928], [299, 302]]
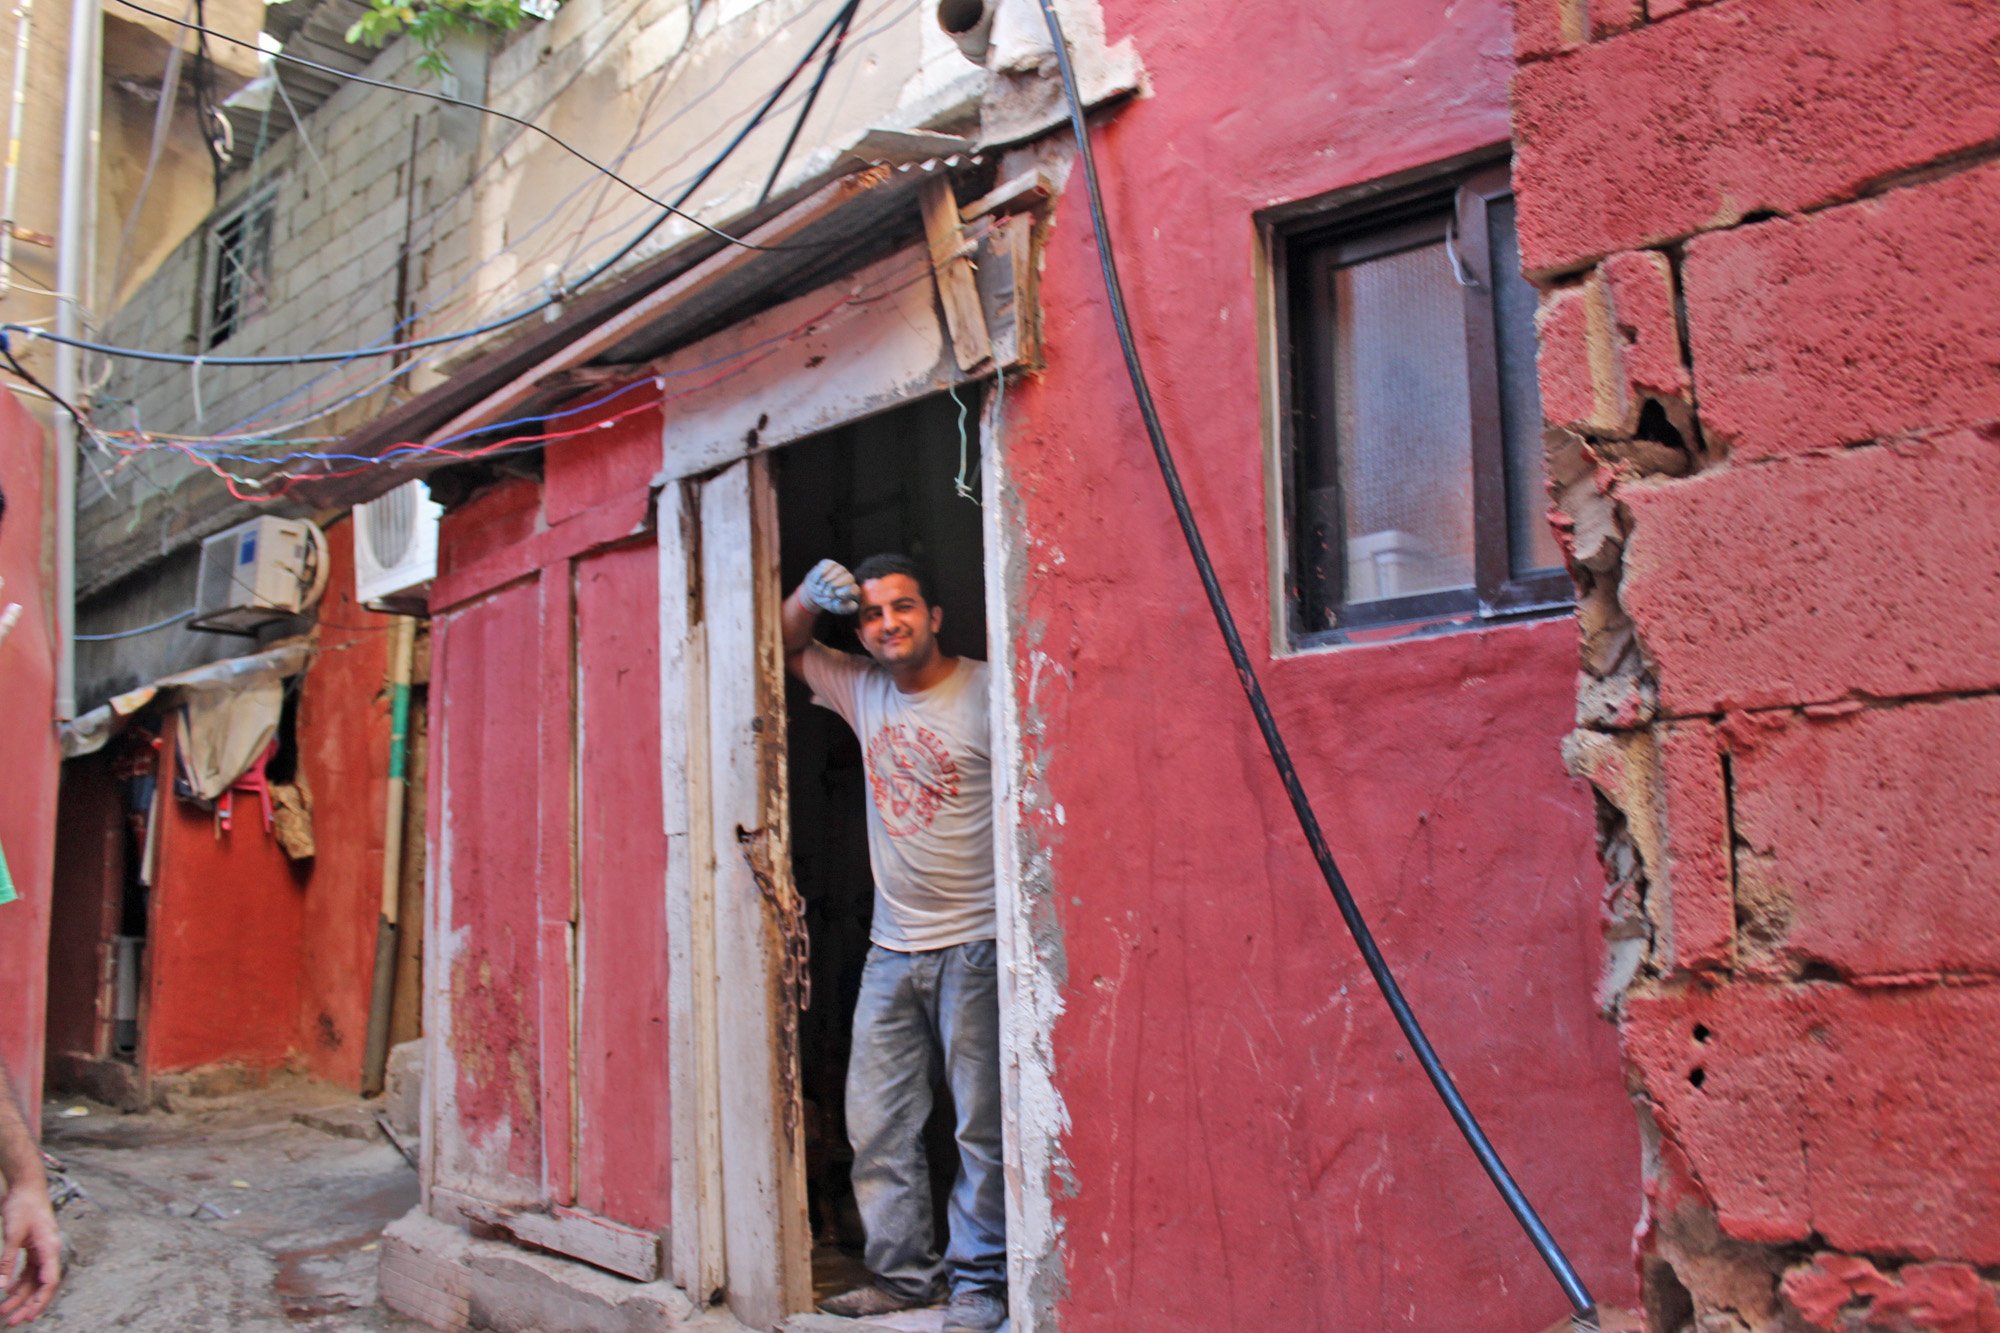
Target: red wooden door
[[624, 1148], [551, 1115]]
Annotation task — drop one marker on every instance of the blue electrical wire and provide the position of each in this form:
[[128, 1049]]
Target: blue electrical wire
[[134, 633]]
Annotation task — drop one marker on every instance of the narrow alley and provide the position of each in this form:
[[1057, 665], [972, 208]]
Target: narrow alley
[[246, 1213], [1000, 666]]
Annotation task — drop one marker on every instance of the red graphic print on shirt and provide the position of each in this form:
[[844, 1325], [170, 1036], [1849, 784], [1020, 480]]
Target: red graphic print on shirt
[[911, 774]]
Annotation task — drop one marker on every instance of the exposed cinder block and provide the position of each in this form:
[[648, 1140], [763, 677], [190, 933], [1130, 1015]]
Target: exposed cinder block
[[1680, 127], [1694, 873], [1871, 319], [1841, 1291], [1870, 573], [1609, 343], [1862, 1115], [1869, 839]]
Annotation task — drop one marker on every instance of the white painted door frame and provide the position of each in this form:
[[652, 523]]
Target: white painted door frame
[[739, 1226]]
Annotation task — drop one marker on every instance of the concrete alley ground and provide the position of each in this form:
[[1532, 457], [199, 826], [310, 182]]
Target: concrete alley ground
[[256, 1211]]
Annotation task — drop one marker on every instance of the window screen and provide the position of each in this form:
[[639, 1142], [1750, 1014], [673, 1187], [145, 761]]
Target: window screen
[[1415, 475]]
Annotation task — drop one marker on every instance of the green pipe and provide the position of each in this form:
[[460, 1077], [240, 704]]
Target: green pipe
[[375, 1056]]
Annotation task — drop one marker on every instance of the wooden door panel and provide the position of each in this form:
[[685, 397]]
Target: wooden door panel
[[767, 1255], [485, 928], [624, 1148]]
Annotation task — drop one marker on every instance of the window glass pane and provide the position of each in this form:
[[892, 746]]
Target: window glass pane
[[1531, 544], [1403, 425]]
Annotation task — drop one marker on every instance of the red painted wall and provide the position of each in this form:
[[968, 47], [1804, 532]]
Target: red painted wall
[[227, 930], [1251, 1146], [257, 959], [343, 739], [1801, 773], [27, 739]]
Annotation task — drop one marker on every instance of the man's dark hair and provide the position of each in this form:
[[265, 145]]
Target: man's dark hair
[[881, 566]]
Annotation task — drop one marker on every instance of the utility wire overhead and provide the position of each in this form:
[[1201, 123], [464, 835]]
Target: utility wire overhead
[[669, 210], [448, 100]]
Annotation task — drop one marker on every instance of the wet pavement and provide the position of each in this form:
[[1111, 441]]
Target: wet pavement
[[255, 1212]]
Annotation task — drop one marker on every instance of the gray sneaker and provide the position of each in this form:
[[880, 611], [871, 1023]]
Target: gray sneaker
[[872, 1299], [976, 1310]]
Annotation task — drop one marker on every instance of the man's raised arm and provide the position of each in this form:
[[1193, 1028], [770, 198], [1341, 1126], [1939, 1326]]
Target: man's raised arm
[[829, 587], [27, 1222]]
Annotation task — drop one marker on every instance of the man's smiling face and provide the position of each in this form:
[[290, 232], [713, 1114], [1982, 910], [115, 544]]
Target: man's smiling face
[[897, 627]]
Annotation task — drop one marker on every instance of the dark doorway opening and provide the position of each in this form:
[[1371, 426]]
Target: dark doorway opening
[[885, 484], [99, 918]]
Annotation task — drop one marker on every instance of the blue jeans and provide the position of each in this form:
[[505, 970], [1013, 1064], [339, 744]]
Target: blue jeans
[[919, 1014]]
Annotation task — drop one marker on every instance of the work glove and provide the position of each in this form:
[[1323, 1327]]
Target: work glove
[[831, 588]]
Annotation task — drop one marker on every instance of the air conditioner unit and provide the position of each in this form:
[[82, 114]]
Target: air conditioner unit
[[395, 549], [257, 572]]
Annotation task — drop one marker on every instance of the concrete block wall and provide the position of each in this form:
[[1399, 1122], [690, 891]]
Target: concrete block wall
[[496, 215], [1770, 355], [339, 217]]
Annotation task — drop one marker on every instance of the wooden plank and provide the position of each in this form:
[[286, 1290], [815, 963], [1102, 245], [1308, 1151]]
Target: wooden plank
[[597, 526], [624, 1092], [760, 1161], [1029, 190], [951, 262], [1009, 292], [809, 365], [795, 1242], [597, 1241], [483, 1016], [693, 1053], [791, 225], [556, 875]]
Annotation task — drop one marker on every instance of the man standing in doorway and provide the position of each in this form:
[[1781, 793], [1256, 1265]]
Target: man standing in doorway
[[929, 993]]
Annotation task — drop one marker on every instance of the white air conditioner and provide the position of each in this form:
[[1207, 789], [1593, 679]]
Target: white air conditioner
[[257, 572], [395, 548]]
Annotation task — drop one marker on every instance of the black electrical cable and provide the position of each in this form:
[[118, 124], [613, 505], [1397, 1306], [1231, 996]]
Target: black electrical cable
[[846, 18], [7, 354], [670, 210], [204, 97], [1482, 1148]]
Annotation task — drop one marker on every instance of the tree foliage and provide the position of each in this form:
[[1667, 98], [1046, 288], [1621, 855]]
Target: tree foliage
[[428, 22]]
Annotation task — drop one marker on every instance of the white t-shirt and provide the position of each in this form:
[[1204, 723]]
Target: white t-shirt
[[930, 780]]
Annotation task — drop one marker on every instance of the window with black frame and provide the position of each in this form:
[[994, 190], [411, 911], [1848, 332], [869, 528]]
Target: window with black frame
[[1414, 475]]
